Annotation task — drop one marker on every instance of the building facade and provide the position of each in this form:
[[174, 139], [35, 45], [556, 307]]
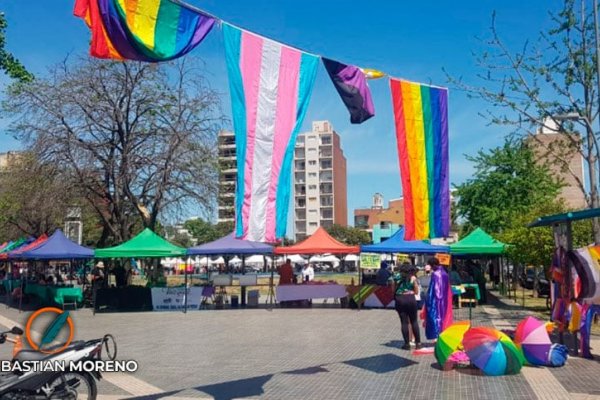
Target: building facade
[[227, 176], [379, 217], [320, 188], [558, 152], [9, 158]]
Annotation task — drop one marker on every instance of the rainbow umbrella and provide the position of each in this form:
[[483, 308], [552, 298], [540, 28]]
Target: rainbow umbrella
[[492, 351], [449, 341], [531, 336]]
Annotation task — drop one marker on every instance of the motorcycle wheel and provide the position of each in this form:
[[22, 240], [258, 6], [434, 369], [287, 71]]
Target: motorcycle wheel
[[74, 386]]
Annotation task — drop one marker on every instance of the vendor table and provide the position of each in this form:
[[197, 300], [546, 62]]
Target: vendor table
[[129, 298], [54, 294], [459, 290], [308, 291]]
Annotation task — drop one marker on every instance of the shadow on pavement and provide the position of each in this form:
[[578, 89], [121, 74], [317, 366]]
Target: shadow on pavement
[[382, 363], [307, 371]]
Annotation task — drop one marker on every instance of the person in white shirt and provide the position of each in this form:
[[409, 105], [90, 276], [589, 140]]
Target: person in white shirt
[[308, 273]]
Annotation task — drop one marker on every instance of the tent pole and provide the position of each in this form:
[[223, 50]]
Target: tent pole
[[185, 292]]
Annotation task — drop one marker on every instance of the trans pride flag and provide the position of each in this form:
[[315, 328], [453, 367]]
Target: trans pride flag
[[142, 30], [270, 86], [421, 119]]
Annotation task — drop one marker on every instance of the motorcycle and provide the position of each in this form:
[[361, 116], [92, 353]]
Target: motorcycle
[[55, 385]]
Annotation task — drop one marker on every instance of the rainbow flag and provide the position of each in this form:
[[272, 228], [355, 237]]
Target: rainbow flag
[[142, 30], [270, 86], [421, 119]]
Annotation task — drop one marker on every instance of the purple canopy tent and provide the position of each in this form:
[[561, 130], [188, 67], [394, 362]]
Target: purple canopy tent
[[57, 247], [230, 245]]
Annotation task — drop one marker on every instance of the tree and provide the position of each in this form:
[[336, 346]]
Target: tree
[[35, 199], [349, 235], [138, 140], [201, 230], [507, 183], [546, 83], [535, 246], [8, 63]]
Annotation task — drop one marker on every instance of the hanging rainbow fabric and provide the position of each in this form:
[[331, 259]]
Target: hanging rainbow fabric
[[270, 86], [142, 30], [421, 119]]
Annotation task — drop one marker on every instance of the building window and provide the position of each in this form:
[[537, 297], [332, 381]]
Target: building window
[[312, 174], [312, 199], [312, 224], [312, 187], [312, 162]]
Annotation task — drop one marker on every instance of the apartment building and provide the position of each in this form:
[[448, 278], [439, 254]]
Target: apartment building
[[227, 176], [320, 188]]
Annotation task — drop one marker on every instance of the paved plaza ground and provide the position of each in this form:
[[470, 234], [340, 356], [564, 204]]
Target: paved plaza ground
[[311, 353]]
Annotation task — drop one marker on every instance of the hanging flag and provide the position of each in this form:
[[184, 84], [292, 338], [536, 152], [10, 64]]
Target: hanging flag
[[142, 30], [270, 86], [421, 119], [351, 84]]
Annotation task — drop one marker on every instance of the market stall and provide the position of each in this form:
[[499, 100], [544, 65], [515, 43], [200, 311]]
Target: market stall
[[248, 251], [146, 245], [319, 242]]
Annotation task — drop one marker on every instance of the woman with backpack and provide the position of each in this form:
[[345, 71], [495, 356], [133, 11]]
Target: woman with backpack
[[406, 290]]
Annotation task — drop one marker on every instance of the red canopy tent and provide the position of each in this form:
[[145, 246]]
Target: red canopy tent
[[319, 242], [15, 253]]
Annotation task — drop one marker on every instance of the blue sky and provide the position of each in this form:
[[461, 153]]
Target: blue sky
[[411, 40]]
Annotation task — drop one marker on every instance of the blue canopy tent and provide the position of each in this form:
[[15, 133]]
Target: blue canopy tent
[[57, 247], [230, 245], [397, 244]]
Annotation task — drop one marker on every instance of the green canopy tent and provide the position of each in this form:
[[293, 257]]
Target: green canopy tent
[[146, 244], [478, 242]]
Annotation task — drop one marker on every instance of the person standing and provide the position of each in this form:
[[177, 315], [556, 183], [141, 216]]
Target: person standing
[[286, 273], [383, 275], [308, 273], [406, 287], [438, 303]]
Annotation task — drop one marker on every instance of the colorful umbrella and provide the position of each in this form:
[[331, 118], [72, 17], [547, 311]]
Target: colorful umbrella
[[492, 351], [531, 336], [449, 341]]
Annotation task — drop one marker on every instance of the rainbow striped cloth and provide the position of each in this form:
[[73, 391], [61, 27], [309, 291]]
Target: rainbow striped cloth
[[270, 86], [421, 119], [142, 30]]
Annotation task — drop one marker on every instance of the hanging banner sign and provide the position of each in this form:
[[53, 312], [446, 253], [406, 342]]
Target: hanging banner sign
[[402, 258], [444, 259], [173, 299], [369, 260]]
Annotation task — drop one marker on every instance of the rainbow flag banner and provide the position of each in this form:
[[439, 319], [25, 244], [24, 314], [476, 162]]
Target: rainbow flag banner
[[270, 86], [421, 120], [142, 30]]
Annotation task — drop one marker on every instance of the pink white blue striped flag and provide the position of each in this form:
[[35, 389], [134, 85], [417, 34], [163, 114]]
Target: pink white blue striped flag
[[270, 86]]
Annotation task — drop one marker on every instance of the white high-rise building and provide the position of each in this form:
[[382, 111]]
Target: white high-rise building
[[320, 190]]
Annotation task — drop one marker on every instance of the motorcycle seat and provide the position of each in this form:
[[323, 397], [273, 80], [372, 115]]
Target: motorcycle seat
[[34, 355]]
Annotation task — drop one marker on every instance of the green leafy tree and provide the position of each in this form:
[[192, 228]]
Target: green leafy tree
[[8, 63], [551, 82], [224, 228], [535, 246], [507, 183], [349, 235], [202, 230]]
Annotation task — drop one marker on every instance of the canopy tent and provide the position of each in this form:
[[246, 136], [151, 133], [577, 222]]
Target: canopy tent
[[231, 245], [146, 244], [476, 243], [57, 247], [14, 245], [319, 242], [235, 260], [16, 252], [325, 258], [259, 259], [352, 258], [217, 261], [397, 244]]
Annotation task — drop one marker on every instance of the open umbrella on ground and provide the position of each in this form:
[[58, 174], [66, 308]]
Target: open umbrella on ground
[[449, 341], [492, 351], [531, 336]]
